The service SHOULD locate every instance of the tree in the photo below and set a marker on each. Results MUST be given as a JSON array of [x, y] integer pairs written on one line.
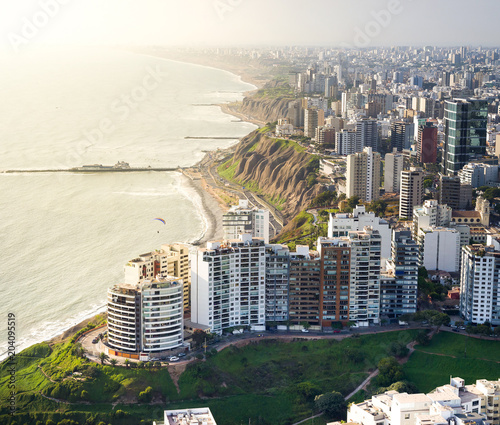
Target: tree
[[307, 391], [84, 395], [103, 357], [459, 323], [422, 338], [353, 201], [127, 363], [305, 325], [496, 331], [198, 337], [113, 362], [390, 371], [398, 350], [146, 396], [331, 404], [403, 387]]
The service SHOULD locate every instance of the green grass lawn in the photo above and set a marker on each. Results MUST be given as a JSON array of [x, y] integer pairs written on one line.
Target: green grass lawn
[[428, 371], [454, 344]]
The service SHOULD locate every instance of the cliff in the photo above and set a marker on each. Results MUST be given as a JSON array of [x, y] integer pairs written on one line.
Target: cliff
[[275, 168], [265, 109]]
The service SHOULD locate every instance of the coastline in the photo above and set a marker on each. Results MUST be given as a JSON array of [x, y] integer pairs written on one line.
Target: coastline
[[212, 206]]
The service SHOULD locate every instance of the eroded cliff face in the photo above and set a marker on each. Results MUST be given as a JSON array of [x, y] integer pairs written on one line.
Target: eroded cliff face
[[278, 169], [265, 109]]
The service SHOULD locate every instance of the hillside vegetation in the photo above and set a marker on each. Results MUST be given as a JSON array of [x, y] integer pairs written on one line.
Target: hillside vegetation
[[270, 382]]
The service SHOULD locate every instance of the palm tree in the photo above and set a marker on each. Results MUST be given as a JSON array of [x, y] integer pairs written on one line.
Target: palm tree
[[103, 357], [127, 363], [113, 362]]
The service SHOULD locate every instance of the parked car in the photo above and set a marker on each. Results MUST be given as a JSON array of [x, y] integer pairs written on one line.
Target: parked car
[[95, 340], [305, 330], [181, 355], [336, 331], [173, 358]]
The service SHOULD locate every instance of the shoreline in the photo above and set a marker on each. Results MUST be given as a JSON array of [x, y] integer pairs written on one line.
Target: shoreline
[[212, 206]]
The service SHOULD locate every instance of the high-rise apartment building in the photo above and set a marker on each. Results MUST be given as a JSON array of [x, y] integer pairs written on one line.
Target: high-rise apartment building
[[465, 133], [477, 174], [335, 273], [367, 133], [431, 213], [313, 118], [242, 219], [394, 163], [305, 271], [401, 135], [439, 248], [228, 284], [398, 286], [479, 284], [277, 283], [346, 142], [363, 175], [145, 317], [457, 195], [427, 144], [364, 289], [411, 191], [170, 260], [325, 135]]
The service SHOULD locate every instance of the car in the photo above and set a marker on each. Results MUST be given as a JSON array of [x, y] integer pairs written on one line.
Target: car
[[336, 331], [455, 330], [181, 355], [173, 358], [95, 340], [305, 330]]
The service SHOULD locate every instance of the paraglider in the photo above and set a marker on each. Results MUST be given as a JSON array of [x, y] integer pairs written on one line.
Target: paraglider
[[159, 219]]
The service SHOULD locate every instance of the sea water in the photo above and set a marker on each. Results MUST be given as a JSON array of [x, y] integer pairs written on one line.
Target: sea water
[[65, 237]]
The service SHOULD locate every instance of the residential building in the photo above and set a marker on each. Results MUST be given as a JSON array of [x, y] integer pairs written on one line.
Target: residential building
[[478, 174], [431, 213], [242, 219], [465, 133], [313, 118], [341, 224], [439, 248], [364, 290], [170, 260], [277, 283], [398, 286], [367, 133], [197, 416], [456, 195], [363, 175], [228, 284], [305, 271], [394, 163], [401, 135], [479, 284], [335, 257], [411, 192], [325, 136], [346, 142], [454, 403], [145, 317], [427, 144]]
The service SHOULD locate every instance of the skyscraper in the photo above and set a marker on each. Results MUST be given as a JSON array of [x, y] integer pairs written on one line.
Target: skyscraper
[[465, 133], [367, 133], [363, 175], [394, 163], [412, 191], [427, 144], [313, 118], [401, 135]]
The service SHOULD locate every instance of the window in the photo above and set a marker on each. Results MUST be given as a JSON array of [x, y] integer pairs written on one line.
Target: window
[[407, 416]]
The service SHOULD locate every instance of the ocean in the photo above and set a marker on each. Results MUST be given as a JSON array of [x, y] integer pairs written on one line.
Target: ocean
[[65, 237]]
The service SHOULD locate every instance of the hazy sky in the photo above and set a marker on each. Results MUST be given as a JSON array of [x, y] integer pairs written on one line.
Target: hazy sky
[[250, 22]]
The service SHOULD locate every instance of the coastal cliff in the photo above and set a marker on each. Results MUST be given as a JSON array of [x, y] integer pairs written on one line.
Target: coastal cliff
[[265, 109], [278, 169]]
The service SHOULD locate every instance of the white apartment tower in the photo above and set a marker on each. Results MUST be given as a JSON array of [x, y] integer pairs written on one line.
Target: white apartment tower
[[412, 191], [479, 284], [146, 317], [363, 175], [431, 213], [393, 166], [439, 248], [241, 219], [364, 289], [228, 284]]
